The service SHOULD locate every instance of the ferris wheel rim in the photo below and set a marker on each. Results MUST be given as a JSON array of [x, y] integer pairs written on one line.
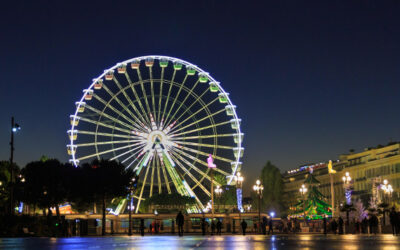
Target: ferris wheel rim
[[187, 64]]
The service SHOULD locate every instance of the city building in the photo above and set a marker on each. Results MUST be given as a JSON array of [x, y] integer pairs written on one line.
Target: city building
[[367, 169]]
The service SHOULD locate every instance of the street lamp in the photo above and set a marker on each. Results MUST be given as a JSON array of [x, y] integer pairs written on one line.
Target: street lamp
[[387, 193], [258, 188], [347, 187], [14, 129], [303, 190], [218, 193], [132, 183], [239, 182]]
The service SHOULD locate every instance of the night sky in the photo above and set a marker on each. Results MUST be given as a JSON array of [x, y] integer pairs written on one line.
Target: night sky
[[311, 79]]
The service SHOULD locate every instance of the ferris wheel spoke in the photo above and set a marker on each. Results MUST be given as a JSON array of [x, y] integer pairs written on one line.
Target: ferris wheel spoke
[[197, 121], [105, 152], [205, 175], [144, 116], [175, 99], [102, 114], [142, 189], [201, 128], [190, 175], [159, 176], [169, 93], [153, 101], [160, 96], [204, 145], [184, 100], [152, 177], [104, 143], [115, 110], [104, 124], [144, 92], [130, 102], [165, 177], [127, 152], [198, 98], [138, 150], [205, 154], [85, 132], [201, 137], [204, 107], [202, 163], [115, 97]]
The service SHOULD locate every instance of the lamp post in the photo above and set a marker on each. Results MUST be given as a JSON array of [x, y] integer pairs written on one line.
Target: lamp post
[[131, 187], [211, 166], [239, 182], [218, 193], [258, 188], [14, 128], [303, 191], [387, 193], [347, 187]]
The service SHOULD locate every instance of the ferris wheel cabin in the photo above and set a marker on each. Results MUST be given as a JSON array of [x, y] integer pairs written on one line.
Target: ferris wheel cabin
[[149, 62], [74, 120], [190, 71], [135, 64], [109, 75], [88, 94], [121, 68], [177, 65], [80, 106], [214, 86], [98, 84]]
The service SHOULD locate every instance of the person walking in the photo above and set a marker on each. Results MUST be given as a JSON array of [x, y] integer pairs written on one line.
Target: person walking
[[289, 226], [244, 226], [270, 227], [219, 227], [340, 225], [179, 221], [212, 227], [393, 221], [334, 226], [141, 227], [324, 225], [203, 226], [264, 225]]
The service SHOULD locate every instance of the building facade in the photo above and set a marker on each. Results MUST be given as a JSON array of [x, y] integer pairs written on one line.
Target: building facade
[[367, 169]]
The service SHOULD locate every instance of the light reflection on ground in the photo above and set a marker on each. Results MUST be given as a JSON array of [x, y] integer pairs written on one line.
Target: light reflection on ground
[[302, 241]]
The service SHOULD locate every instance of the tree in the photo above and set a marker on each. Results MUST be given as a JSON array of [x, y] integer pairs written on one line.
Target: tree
[[271, 179], [314, 206], [108, 179], [45, 184]]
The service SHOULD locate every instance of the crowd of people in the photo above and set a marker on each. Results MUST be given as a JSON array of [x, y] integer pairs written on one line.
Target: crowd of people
[[369, 224]]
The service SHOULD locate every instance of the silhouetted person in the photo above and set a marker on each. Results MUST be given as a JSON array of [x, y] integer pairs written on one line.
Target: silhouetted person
[[179, 221], [289, 226], [324, 225], [364, 225], [212, 227], [334, 226], [374, 224], [340, 225], [203, 226], [264, 225], [219, 227], [244, 226], [270, 227], [393, 221], [141, 227]]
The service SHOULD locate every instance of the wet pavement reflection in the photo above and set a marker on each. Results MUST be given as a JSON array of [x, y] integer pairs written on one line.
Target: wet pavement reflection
[[343, 242]]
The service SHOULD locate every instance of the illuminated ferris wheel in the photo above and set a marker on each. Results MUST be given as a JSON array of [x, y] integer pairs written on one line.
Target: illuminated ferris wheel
[[162, 117]]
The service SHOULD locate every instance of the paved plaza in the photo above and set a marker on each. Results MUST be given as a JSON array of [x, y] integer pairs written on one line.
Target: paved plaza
[[208, 242]]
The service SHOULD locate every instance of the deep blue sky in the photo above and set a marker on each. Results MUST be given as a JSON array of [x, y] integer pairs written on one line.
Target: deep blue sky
[[311, 79]]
